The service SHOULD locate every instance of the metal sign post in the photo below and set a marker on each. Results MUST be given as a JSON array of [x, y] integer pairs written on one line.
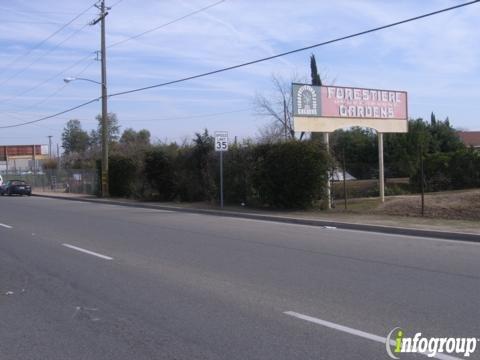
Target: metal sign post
[[221, 179], [221, 145]]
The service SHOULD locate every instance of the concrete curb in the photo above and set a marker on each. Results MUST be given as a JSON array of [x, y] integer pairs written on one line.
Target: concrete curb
[[285, 219]]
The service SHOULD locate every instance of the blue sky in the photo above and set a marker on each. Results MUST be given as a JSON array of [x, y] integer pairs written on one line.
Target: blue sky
[[436, 60]]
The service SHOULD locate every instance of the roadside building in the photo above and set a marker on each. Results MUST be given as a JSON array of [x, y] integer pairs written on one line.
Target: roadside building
[[470, 138], [22, 158]]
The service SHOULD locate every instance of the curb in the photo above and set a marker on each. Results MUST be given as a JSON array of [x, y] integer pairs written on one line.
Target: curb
[[470, 237]]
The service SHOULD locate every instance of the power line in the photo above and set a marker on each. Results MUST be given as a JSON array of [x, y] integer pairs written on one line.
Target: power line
[[166, 24], [254, 61], [115, 44], [53, 115], [118, 2], [36, 104], [37, 11], [186, 117], [43, 55], [47, 80], [295, 51], [198, 116], [30, 22], [46, 39]]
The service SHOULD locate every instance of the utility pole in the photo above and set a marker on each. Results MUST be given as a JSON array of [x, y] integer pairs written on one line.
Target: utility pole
[[34, 161], [101, 19], [49, 146], [285, 117]]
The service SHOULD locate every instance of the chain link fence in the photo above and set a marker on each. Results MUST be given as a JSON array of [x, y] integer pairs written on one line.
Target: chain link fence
[[61, 180]]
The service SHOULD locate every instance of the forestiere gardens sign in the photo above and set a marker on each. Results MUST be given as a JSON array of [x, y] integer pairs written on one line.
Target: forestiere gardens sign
[[327, 108]]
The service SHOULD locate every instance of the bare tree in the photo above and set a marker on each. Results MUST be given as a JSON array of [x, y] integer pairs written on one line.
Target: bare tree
[[270, 133], [277, 106]]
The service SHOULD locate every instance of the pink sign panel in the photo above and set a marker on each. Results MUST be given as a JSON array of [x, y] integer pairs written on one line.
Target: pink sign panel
[[349, 102]]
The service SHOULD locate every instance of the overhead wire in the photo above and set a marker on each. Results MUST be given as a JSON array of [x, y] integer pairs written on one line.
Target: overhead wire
[[23, 69], [255, 61], [195, 116], [294, 51], [165, 24], [115, 44], [46, 39], [51, 94], [44, 54], [53, 115], [118, 2], [48, 79]]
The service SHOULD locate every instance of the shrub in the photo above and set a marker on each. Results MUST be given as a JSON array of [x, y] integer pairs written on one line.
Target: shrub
[[121, 175], [237, 174], [291, 174], [159, 172], [465, 169], [449, 171], [195, 168], [49, 164]]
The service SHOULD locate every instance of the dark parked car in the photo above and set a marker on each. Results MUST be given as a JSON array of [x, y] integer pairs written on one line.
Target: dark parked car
[[12, 187]]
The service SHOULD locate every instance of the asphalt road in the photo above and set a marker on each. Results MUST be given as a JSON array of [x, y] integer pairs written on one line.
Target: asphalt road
[[93, 281]]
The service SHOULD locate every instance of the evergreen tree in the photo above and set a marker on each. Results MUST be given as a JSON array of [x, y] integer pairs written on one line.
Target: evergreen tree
[[314, 72], [74, 138], [113, 130]]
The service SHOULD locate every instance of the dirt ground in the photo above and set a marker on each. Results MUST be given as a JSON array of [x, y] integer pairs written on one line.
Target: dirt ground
[[453, 205]]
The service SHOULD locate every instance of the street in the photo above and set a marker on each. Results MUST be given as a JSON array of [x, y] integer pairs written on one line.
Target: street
[[93, 281]]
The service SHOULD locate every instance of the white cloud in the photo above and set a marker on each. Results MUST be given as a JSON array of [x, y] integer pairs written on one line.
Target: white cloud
[[435, 59]]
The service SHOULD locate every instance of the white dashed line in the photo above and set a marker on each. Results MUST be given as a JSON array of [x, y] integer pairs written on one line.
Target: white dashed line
[[88, 252], [356, 332], [5, 226]]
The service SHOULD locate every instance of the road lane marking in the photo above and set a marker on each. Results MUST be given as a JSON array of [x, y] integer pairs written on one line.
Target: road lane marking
[[278, 222], [88, 252], [356, 332], [5, 226]]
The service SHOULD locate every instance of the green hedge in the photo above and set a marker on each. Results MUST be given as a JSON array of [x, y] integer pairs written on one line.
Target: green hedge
[[449, 171], [291, 174], [283, 175], [160, 173], [121, 175]]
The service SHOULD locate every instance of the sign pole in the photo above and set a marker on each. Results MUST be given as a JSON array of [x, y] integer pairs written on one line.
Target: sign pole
[[326, 141], [344, 178], [221, 145], [221, 179], [381, 177], [422, 178]]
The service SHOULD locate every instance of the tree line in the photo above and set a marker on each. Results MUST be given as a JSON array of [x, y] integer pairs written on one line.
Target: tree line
[[281, 168]]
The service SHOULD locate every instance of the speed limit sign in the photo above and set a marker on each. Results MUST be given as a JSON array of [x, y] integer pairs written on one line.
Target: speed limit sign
[[221, 145], [221, 141]]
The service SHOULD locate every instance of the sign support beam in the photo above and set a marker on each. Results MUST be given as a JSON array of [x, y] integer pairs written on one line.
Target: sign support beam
[[381, 176], [326, 141]]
